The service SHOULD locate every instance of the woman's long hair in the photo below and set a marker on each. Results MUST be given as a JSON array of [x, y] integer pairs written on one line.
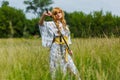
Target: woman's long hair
[[62, 20]]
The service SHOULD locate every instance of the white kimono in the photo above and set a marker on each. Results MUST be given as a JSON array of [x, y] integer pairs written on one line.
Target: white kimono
[[48, 31]]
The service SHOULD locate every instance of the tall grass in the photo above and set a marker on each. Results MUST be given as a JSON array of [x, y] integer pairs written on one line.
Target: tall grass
[[26, 59]]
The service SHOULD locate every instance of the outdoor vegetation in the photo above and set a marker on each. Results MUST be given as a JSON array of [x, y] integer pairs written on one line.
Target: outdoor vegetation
[[26, 59], [13, 22], [95, 43]]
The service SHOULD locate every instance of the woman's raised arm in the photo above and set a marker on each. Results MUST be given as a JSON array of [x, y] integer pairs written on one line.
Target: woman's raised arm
[[43, 17]]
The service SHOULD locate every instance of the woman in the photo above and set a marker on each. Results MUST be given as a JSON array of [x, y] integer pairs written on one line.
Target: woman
[[51, 37]]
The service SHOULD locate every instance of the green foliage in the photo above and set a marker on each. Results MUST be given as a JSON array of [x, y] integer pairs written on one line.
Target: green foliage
[[95, 24], [31, 28], [5, 3], [26, 59], [37, 6], [12, 22]]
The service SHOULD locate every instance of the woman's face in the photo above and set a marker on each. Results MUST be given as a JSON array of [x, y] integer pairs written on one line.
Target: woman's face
[[58, 15]]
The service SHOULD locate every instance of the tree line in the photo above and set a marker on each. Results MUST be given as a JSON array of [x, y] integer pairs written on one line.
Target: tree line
[[13, 22], [96, 24]]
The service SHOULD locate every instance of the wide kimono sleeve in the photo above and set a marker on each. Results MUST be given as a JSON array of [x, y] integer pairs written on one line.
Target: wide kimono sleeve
[[69, 40], [69, 36], [46, 34]]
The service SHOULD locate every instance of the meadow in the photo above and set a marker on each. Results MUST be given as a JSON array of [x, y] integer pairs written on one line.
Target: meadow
[[26, 59]]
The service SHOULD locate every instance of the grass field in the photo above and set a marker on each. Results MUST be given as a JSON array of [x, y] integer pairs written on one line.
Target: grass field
[[26, 59]]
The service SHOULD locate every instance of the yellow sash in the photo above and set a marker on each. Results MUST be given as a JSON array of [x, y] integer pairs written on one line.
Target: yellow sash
[[57, 40]]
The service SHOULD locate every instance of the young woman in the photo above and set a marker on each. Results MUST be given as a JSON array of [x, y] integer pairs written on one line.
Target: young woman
[[51, 37]]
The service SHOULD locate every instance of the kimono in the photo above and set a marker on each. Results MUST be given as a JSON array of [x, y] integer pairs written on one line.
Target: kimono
[[48, 32]]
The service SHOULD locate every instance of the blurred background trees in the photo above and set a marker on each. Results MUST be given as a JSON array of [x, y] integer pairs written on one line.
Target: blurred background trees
[[37, 6], [13, 22]]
